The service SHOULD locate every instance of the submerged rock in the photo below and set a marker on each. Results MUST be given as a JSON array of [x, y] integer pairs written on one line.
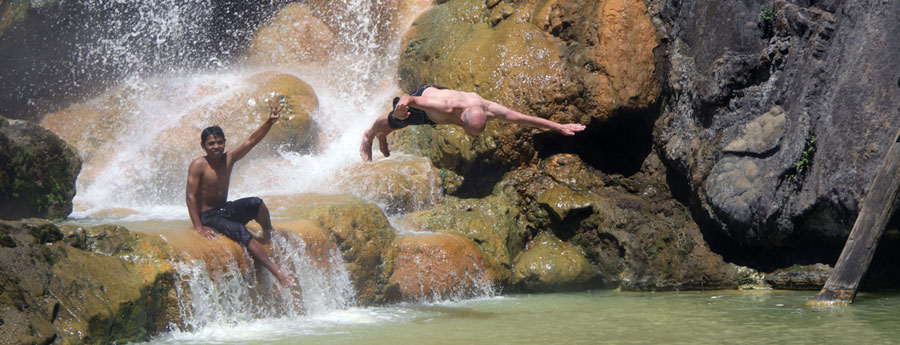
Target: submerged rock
[[37, 172], [800, 277]]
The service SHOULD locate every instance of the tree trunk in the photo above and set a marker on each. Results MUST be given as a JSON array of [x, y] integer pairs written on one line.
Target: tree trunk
[[877, 209]]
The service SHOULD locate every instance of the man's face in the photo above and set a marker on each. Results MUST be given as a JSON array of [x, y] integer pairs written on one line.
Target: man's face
[[214, 146]]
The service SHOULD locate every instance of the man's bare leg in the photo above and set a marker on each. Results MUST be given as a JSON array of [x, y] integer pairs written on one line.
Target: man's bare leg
[[259, 254], [380, 129], [265, 221]]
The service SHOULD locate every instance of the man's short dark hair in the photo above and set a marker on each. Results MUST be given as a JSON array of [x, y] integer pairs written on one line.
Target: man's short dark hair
[[212, 130]]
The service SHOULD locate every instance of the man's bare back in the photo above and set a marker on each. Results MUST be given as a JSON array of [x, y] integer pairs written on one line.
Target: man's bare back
[[443, 106]]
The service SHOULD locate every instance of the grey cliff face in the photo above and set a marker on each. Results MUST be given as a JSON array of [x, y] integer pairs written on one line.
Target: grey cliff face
[[777, 117]]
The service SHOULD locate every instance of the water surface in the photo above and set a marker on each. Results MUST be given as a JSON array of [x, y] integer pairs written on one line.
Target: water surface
[[594, 317]]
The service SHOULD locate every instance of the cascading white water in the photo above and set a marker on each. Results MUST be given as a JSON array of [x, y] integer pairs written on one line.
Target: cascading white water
[[229, 296], [142, 176]]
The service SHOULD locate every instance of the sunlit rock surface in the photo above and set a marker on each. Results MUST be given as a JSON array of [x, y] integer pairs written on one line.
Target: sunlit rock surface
[[493, 223], [547, 59], [37, 172], [549, 264], [437, 267], [117, 287], [359, 229]]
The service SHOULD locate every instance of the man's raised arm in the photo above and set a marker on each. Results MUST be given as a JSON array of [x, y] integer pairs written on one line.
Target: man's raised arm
[[257, 136]]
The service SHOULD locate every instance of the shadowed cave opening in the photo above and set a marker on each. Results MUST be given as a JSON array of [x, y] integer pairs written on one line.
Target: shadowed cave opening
[[615, 146]]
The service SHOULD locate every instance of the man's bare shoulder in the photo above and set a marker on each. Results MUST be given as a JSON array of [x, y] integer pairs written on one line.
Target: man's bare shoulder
[[198, 163]]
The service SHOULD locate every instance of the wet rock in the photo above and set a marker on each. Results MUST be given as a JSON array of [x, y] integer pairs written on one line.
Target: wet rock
[[54, 292], [294, 36], [493, 223], [400, 184], [800, 277], [37, 172], [549, 264], [545, 59], [439, 266], [630, 229], [360, 230]]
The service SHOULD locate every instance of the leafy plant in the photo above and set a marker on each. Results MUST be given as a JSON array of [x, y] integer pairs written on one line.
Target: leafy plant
[[802, 164], [767, 15]]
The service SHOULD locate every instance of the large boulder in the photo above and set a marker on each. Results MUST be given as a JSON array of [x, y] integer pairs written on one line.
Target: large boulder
[[437, 267], [633, 233], [360, 230], [775, 127], [549, 264], [494, 223], [294, 36], [37, 172]]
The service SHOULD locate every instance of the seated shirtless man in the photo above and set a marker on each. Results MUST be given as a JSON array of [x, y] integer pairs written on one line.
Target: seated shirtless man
[[432, 104], [207, 192]]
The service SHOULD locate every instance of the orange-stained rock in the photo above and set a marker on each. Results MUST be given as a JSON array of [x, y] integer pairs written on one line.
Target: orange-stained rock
[[439, 266], [359, 229]]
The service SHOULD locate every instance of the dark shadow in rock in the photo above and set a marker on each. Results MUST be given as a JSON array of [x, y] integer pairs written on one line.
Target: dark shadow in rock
[[616, 146]]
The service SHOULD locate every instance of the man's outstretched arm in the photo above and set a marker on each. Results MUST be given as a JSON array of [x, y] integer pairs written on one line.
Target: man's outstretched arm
[[257, 136], [192, 198], [534, 121]]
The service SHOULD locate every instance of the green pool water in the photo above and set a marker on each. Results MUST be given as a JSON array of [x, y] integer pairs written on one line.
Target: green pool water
[[597, 317]]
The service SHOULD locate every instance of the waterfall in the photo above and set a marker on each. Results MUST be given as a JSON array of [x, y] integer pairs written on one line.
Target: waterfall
[[143, 175], [228, 296]]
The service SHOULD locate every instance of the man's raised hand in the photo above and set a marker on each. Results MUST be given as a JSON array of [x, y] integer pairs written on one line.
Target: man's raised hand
[[276, 105]]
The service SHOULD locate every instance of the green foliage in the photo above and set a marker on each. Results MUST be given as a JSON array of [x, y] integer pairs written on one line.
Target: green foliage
[[767, 15], [802, 165]]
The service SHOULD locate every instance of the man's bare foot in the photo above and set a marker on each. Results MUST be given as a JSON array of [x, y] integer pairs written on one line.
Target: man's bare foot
[[383, 145], [365, 148]]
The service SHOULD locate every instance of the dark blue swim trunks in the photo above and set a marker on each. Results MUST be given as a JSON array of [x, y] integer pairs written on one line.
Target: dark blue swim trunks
[[231, 219], [416, 116]]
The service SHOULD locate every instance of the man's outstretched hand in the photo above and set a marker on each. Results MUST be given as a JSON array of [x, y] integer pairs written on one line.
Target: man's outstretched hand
[[570, 128]]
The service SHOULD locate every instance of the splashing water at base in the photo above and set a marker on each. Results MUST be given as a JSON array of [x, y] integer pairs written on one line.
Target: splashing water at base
[[225, 297]]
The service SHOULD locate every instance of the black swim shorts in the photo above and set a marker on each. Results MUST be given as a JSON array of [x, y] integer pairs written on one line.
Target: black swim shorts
[[231, 220], [416, 116]]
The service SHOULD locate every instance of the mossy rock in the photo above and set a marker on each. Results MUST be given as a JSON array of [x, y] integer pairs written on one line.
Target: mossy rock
[[37, 172], [550, 264]]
